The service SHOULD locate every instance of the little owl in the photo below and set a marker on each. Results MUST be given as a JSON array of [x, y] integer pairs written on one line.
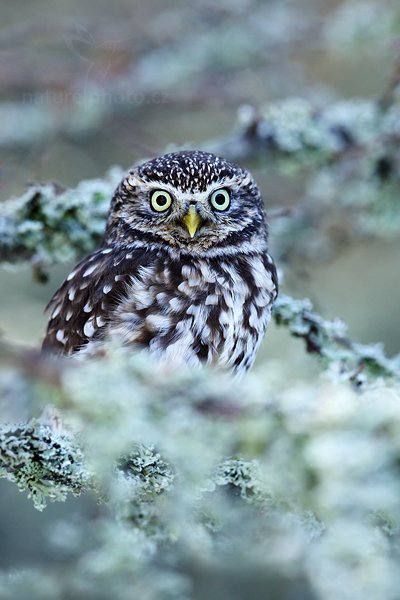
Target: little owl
[[184, 269]]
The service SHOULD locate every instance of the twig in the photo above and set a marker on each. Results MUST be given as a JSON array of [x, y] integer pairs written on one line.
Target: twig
[[352, 361]]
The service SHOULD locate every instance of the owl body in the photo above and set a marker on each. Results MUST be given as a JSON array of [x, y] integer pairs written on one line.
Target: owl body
[[192, 285]]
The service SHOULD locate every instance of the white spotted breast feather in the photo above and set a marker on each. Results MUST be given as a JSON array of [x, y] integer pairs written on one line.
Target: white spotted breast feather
[[185, 310]]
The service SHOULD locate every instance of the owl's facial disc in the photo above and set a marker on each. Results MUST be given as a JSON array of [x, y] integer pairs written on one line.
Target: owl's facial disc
[[190, 200], [192, 219]]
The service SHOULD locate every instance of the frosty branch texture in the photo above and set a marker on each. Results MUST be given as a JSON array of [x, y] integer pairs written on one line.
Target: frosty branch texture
[[208, 482], [45, 463], [296, 129], [327, 339], [49, 224]]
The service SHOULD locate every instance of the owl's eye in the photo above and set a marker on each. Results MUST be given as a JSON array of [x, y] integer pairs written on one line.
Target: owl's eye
[[220, 199], [160, 200]]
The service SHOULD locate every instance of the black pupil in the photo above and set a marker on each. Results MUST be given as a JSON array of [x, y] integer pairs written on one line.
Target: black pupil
[[220, 199], [162, 200]]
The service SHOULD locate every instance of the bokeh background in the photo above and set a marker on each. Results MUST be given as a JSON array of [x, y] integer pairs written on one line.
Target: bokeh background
[[87, 84]]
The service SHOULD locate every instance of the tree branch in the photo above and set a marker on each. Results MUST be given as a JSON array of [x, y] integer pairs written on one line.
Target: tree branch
[[46, 463], [354, 362]]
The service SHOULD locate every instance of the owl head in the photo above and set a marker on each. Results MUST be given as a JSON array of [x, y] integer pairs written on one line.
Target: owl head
[[191, 200]]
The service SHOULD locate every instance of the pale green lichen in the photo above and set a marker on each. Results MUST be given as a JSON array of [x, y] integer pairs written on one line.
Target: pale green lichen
[[254, 477], [146, 470], [47, 224], [296, 130], [240, 474], [47, 464]]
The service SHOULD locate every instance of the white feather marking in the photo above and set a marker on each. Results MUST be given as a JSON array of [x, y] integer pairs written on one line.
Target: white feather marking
[[158, 322], [178, 352], [71, 275], [183, 325], [147, 272], [56, 311], [207, 275], [88, 328], [193, 309], [60, 336], [161, 297], [193, 276], [143, 298], [262, 277], [186, 271], [100, 321], [184, 288], [175, 304], [263, 298], [254, 321], [90, 270], [228, 297], [206, 333], [69, 314], [194, 282], [107, 288], [106, 251], [212, 299], [71, 294]]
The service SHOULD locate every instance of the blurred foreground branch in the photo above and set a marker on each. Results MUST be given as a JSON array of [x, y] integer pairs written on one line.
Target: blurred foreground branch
[[205, 483], [43, 461]]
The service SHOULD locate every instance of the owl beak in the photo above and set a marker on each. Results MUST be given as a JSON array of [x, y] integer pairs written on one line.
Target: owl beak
[[192, 220]]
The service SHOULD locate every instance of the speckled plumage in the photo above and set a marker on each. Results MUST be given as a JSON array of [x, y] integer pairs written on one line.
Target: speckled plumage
[[186, 297]]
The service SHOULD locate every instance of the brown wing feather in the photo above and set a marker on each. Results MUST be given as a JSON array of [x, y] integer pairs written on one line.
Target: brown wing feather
[[81, 308]]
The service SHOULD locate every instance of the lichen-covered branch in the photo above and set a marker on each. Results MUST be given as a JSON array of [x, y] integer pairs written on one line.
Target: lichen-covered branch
[[300, 133], [328, 339], [46, 463], [205, 478], [48, 224]]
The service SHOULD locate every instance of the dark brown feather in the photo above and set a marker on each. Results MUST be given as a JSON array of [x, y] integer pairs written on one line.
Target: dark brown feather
[[90, 298]]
